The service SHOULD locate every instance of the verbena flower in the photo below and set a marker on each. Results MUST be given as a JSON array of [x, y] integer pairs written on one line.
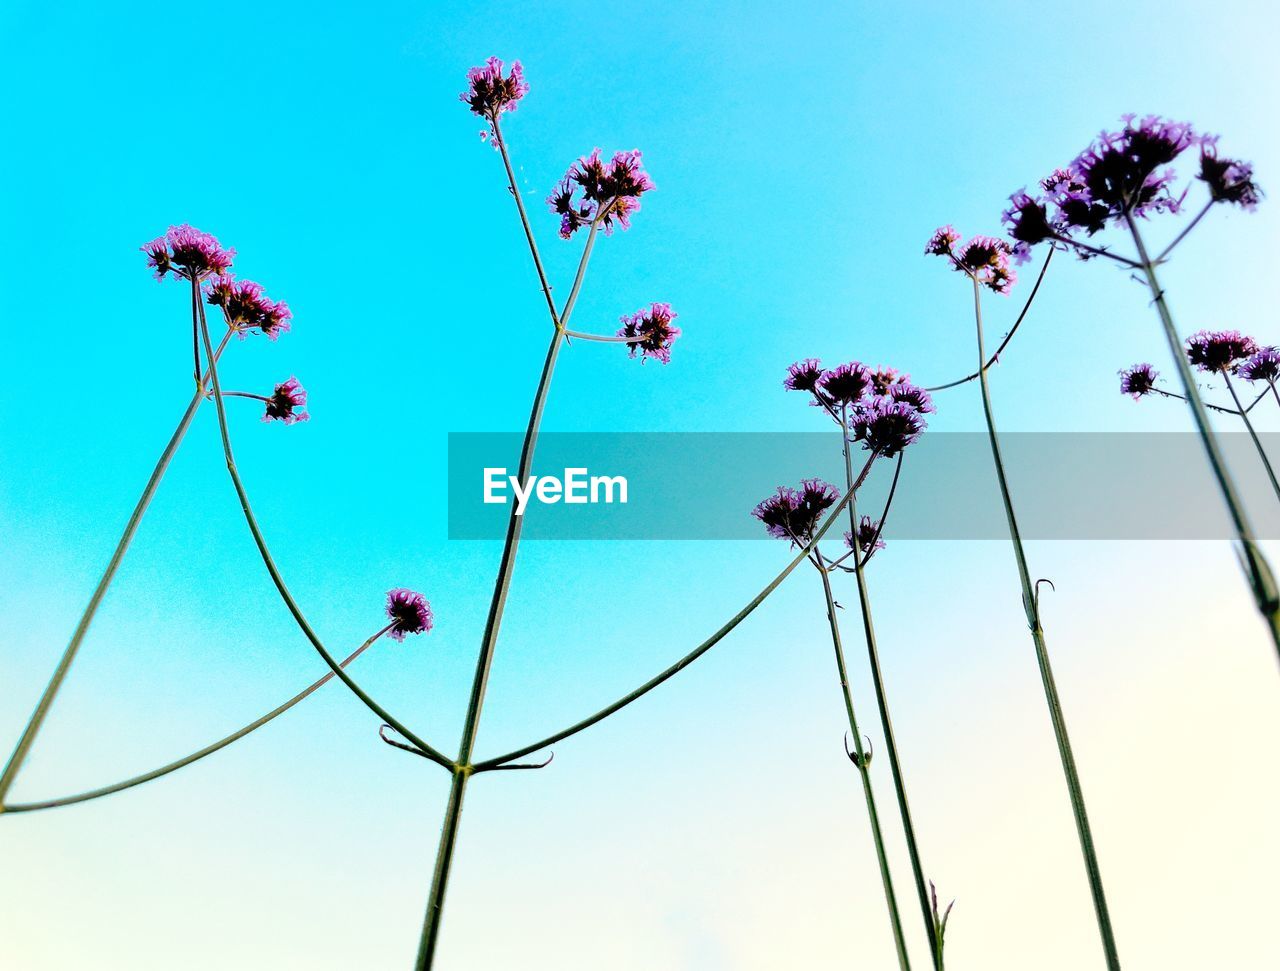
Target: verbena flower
[[794, 514], [1219, 351], [846, 384], [187, 252], [409, 613], [910, 394], [594, 189], [942, 242], [886, 426], [868, 538], [1229, 180], [1264, 365], [659, 334], [1138, 380], [245, 307], [489, 93], [883, 378], [1027, 220], [984, 258], [282, 405], [803, 375]]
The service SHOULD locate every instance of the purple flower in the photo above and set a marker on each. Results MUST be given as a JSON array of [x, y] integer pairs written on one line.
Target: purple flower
[[886, 426], [1119, 171], [910, 394], [846, 384], [655, 329], [868, 536], [245, 307], [883, 378], [594, 190], [942, 242], [1027, 219], [1264, 365], [1228, 180], [1138, 380], [1219, 351], [287, 397], [793, 514], [984, 258], [803, 375], [489, 93], [409, 613], [187, 252]]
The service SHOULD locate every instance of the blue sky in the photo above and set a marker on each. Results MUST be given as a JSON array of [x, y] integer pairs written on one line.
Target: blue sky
[[803, 155]]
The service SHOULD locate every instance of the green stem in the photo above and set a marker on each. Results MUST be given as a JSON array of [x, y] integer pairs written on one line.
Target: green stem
[[14, 765], [137, 780], [1031, 605], [1257, 442], [1261, 580], [864, 771], [882, 703]]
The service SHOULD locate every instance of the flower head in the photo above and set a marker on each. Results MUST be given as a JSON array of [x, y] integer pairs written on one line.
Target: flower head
[[654, 328], [187, 252], [282, 405], [868, 536], [1219, 351], [489, 93], [1027, 221], [883, 378], [1120, 171], [1264, 365], [1138, 380], [846, 384], [594, 190], [803, 375], [942, 242], [886, 426], [245, 307], [1228, 180], [984, 258], [910, 394], [409, 613], [793, 514]]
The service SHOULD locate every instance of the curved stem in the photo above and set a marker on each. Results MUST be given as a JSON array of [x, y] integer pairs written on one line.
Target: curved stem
[[292, 605], [689, 658], [1257, 442], [1171, 394], [1030, 603], [32, 729], [196, 756], [1183, 235], [1261, 580], [600, 338], [863, 764], [884, 517], [1012, 330], [524, 219]]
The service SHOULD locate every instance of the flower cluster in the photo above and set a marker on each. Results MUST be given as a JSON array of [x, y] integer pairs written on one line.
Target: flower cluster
[[595, 190], [409, 613], [886, 426], [282, 405], [187, 252], [793, 514], [1264, 365], [489, 93], [984, 258], [651, 332], [1229, 180], [882, 407], [1138, 380], [868, 536], [245, 307], [1219, 351]]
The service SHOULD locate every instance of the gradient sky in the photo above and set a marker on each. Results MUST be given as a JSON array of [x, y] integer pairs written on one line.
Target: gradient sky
[[803, 155]]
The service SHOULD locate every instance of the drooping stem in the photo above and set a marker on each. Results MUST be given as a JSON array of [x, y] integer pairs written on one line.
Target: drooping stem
[[882, 703], [1031, 605], [273, 571], [137, 780], [1261, 580], [1257, 442], [32, 729], [864, 770]]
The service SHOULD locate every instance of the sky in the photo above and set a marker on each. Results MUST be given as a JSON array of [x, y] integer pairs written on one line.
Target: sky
[[803, 154]]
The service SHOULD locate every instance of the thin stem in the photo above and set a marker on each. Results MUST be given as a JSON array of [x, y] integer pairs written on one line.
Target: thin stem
[[1031, 605], [195, 335], [689, 658], [1261, 580], [137, 780], [292, 605], [1096, 251], [884, 517], [524, 219], [882, 703], [1257, 442], [245, 394], [1183, 235], [32, 729], [1012, 330], [864, 771], [579, 335], [1171, 394]]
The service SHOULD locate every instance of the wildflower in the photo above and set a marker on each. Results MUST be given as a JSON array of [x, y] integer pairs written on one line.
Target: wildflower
[[1264, 365], [793, 514], [803, 375], [886, 426], [1219, 351], [1228, 180], [1138, 380], [594, 190], [409, 613], [846, 384], [942, 242], [986, 259], [489, 93], [186, 251], [287, 397], [1027, 219], [910, 394], [654, 328], [868, 536], [1118, 172], [245, 307], [883, 378]]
